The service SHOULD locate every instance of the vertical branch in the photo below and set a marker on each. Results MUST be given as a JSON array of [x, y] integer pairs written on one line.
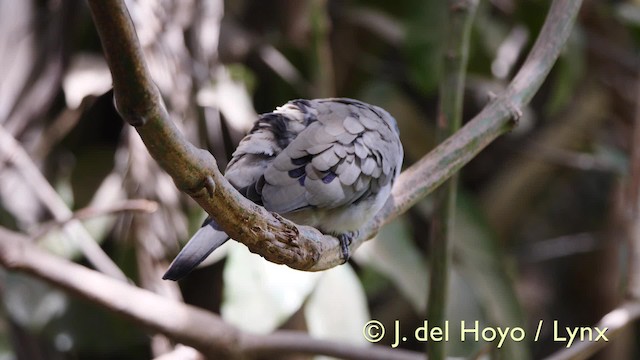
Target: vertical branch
[[460, 14], [633, 227], [323, 60]]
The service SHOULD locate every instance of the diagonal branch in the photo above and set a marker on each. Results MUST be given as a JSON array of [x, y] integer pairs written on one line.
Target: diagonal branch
[[11, 149], [194, 170], [497, 118], [187, 324], [276, 239]]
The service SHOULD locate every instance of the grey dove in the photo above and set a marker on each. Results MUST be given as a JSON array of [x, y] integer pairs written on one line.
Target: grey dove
[[326, 163]]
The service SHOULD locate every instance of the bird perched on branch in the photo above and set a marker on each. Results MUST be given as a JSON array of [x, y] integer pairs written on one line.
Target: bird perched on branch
[[326, 163]]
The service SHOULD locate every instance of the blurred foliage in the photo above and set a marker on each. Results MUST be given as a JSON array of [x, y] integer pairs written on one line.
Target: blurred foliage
[[538, 235]]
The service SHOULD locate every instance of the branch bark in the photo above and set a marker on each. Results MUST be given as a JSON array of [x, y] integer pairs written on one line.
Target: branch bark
[[276, 239], [497, 118], [194, 171]]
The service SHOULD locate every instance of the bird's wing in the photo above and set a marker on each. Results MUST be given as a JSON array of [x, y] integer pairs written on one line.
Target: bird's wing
[[345, 154]]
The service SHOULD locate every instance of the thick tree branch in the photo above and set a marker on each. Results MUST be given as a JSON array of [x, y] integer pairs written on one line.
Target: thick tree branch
[[276, 239], [186, 324], [194, 170]]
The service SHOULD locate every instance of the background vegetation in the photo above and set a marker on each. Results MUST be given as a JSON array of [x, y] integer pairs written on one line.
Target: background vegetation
[[543, 218]]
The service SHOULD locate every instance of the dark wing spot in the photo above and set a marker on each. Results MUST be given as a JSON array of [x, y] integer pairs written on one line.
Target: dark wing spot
[[297, 172], [253, 192], [329, 177], [302, 160]]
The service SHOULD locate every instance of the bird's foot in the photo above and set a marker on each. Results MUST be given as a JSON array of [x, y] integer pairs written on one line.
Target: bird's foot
[[345, 242]]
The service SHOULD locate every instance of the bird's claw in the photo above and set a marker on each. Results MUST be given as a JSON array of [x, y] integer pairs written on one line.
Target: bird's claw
[[345, 241]]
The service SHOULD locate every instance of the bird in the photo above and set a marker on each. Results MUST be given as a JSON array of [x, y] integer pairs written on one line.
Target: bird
[[327, 163]]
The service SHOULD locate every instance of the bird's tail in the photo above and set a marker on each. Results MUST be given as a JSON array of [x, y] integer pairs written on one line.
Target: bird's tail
[[204, 241]]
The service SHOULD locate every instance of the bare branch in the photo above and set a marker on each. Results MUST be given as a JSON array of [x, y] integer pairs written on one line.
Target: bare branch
[[12, 150], [614, 322], [140, 205], [456, 54], [276, 239], [186, 324], [194, 170], [497, 118]]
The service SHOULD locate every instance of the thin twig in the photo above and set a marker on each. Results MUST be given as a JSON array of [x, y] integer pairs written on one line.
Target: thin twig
[[456, 55], [276, 239], [138, 205], [280, 65], [507, 199], [11, 150], [187, 324], [614, 322]]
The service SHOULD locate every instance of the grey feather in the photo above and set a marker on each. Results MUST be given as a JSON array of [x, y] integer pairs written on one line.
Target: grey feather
[[203, 242], [328, 163]]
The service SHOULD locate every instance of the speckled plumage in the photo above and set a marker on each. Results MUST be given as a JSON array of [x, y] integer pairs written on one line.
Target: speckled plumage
[[327, 163]]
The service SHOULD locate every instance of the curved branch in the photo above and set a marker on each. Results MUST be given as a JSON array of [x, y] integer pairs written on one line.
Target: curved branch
[[497, 118], [186, 324], [194, 170], [269, 235]]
